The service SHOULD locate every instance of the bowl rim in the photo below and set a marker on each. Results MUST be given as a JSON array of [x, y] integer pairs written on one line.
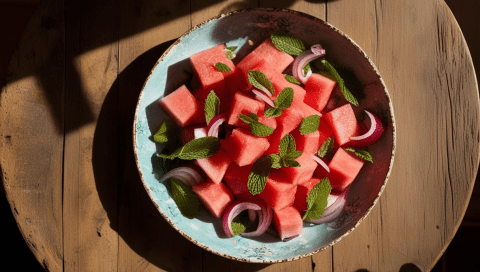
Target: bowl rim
[[359, 49]]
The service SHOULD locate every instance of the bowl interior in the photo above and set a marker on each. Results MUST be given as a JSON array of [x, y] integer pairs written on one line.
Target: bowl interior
[[237, 28]]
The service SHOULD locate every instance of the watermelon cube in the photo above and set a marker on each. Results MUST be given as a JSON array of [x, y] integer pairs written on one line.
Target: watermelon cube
[[215, 166], [203, 64], [247, 64], [344, 168], [277, 59], [320, 171], [242, 104], [279, 83], [307, 143], [302, 193], [236, 178], [299, 175], [293, 116], [225, 95], [343, 123], [244, 147], [325, 132], [215, 197], [288, 222], [182, 107], [278, 193], [318, 90]]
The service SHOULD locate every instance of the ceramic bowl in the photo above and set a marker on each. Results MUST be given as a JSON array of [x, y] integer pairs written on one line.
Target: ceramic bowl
[[240, 28]]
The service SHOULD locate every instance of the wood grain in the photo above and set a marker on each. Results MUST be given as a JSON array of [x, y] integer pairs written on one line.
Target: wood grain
[[31, 143]]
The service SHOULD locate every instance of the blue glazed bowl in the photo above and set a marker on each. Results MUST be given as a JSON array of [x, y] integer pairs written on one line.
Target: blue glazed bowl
[[241, 28]]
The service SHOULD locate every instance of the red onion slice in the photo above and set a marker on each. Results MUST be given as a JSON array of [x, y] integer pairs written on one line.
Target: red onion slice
[[186, 174], [265, 219], [332, 211], [315, 52], [214, 125], [321, 162], [232, 211], [371, 136], [252, 215], [262, 96]]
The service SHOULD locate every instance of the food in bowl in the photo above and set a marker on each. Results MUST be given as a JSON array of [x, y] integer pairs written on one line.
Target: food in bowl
[[266, 147]]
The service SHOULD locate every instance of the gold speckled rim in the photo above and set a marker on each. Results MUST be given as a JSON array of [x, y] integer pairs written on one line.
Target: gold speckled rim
[[390, 105]]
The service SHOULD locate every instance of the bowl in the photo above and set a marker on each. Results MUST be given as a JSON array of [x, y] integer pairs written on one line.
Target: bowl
[[241, 28]]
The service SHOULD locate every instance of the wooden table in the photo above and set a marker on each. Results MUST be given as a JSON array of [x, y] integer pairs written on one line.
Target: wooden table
[[66, 151]]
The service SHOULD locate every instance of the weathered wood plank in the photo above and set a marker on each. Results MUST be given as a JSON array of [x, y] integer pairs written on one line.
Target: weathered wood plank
[[90, 180], [31, 141], [433, 172], [147, 241]]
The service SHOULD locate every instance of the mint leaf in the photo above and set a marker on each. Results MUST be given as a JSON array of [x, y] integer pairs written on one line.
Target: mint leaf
[[293, 155], [167, 130], [258, 176], [230, 55], [212, 106], [254, 116], [326, 149], [306, 68], [287, 162], [186, 200], [196, 149], [287, 145], [245, 118], [231, 48], [287, 43], [276, 161], [240, 223], [346, 93], [221, 67], [260, 81], [317, 199], [284, 99], [260, 130], [272, 112], [293, 80], [309, 124], [363, 154]]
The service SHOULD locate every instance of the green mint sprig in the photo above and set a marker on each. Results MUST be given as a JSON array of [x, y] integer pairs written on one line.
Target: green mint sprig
[[195, 149], [317, 199], [287, 43], [229, 51], [186, 200], [257, 179], [309, 124], [282, 102], [257, 128], [167, 131], [292, 79], [212, 106], [260, 81], [363, 154], [222, 67], [343, 88], [287, 153], [326, 150]]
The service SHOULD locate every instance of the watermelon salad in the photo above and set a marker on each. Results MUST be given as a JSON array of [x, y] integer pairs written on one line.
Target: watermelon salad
[[257, 145]]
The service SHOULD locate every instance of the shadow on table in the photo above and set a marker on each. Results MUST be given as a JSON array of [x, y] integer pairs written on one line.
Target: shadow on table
[[129, 208]]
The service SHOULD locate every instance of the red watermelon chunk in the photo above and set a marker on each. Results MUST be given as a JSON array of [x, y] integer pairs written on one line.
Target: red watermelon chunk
[[279, 83], [318, 90], [288, 222], [307, 143], [344, 168], [247, 64], [203, 64], [215, 166], [215, 197], [243, 147], [278, 194], [225, 96], [293, 116], [236, 178], [241, 104], [343, 123], [325, 132], [277, 59], [182, 107], [302, 193], [299, 175]]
